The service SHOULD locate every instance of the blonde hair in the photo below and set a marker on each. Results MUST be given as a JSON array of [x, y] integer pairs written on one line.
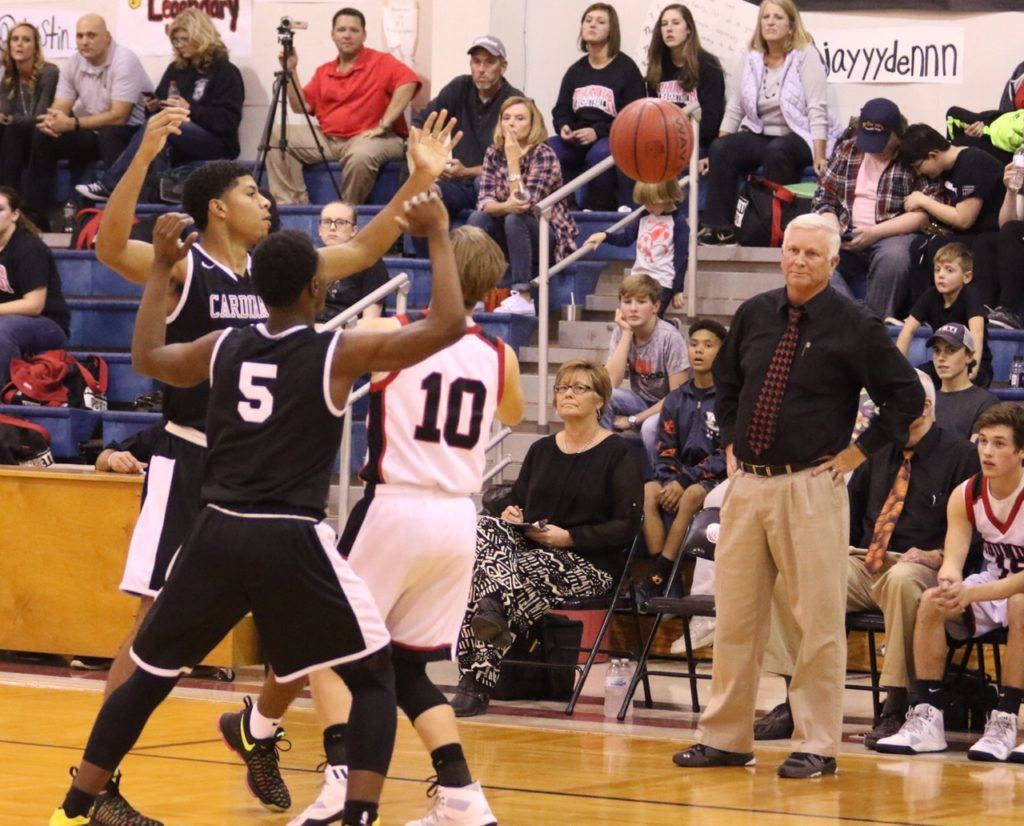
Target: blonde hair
[[640, 285], [597, 375], [797, 37], [538, 131], [11, 77], [955, 252], [660, 193], [480, 263], [203, 35]]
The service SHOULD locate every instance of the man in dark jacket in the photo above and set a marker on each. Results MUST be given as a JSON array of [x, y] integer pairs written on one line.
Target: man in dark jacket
[[475, 100], [688, 461]]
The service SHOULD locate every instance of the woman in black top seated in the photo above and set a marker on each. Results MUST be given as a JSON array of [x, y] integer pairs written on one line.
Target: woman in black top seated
[[586, 482], [200, 79]]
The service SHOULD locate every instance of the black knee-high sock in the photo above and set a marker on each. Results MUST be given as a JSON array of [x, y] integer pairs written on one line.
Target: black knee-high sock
[[334, 744], [1010, 699], [123, 716], [450, 765]]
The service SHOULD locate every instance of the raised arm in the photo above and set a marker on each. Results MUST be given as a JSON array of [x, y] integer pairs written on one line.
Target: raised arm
[[428, 150], [510, 407], [133, 259], [363, 351], [180, 365]]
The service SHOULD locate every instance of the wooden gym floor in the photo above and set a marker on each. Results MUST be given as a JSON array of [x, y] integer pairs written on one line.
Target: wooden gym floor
[[538, 766]]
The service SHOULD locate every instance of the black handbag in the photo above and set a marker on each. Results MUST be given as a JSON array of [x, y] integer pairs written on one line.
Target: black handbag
[[764, 210]]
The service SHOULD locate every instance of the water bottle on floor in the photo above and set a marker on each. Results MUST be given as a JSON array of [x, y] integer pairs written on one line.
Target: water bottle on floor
[[616, 682]]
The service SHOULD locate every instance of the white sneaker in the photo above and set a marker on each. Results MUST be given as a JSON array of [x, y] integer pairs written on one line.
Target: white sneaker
[[517, 304], [999, 738], [702, 634], [924, 731], [330, 805], [460, 806]]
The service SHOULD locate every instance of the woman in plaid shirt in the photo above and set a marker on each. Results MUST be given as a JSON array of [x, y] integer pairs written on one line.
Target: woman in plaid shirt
[[520, 170]]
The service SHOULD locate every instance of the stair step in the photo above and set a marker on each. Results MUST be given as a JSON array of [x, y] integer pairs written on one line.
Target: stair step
[[558, 354]]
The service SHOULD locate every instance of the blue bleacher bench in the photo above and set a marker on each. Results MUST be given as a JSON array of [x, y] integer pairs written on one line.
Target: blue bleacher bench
[[1005, 344], [118, 425]]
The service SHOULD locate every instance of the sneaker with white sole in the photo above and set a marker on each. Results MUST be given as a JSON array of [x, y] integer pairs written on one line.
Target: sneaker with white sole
[[702, 634], [517, 304], [94, 191], [924, 731], [458, 806], [999, 739], [330, 803]]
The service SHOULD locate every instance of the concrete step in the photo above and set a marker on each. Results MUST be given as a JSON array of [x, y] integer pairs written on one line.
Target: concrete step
[[557, 354], [587, 334]]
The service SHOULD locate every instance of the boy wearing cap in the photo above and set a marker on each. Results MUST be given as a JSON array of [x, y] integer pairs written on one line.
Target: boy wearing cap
[[474, 100], [951, 300], [958, 402], [864, 188]]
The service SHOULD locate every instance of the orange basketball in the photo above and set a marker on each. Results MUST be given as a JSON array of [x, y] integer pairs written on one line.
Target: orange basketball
[[651, 140]]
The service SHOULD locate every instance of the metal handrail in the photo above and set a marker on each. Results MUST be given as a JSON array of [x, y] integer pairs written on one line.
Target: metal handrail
[[543, 212], [399, 284], [498, 468]]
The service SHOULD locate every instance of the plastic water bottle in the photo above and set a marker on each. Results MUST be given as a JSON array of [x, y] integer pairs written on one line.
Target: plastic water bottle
[[68, 211], [172, 90], [1017, 371], [616, 683], [1017, 180]]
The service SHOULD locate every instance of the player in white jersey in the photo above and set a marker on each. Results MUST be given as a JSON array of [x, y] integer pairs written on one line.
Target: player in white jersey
[[972, 606], [413, 535]]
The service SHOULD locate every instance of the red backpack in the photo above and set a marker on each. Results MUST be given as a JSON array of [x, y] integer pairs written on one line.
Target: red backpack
[[55, 378], [24, 443]]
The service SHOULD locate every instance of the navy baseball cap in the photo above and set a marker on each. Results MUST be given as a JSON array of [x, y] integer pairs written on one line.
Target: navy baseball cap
[[879, 118], [955, 334]]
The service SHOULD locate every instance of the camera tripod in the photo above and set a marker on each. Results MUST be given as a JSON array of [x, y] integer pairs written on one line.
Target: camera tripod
[[283, 78]]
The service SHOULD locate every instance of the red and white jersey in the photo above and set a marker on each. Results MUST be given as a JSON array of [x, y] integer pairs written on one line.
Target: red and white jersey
[[1002, 533], [429, 424]]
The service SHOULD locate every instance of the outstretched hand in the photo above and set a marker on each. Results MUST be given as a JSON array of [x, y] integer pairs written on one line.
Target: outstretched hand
[[159, 128], [424, 213], [431, 146], [168, 248]]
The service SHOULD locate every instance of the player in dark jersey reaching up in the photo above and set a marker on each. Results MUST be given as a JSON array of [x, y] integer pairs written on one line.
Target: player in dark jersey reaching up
[[260, 543], [210, 289]]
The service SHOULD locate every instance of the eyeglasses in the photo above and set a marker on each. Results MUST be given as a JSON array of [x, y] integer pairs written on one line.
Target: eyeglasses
[[577, 389], [180, 40], [336, 223]]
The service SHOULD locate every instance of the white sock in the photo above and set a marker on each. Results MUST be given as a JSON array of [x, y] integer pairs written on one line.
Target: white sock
[[261, 727]]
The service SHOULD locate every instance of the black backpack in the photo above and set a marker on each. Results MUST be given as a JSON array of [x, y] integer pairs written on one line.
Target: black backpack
[[971, 696], [554, 640], [24, 443]]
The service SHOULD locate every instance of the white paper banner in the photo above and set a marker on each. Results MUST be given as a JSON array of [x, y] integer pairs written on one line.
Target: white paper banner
[[400, 20], [142, 24], [56, 27], [893, 54], [724, 26]]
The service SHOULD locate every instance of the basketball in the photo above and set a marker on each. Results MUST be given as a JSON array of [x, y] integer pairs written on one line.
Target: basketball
[[651, 140]]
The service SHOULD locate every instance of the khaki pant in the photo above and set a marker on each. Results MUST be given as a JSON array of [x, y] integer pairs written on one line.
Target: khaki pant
[[360, 160], [795, 527], [896, 589]]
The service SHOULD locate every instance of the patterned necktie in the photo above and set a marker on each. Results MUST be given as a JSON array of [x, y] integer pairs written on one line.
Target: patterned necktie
[[761, 432], [888, 516]]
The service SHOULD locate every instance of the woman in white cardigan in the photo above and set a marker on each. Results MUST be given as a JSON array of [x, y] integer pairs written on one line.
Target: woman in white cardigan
[[776, 116]]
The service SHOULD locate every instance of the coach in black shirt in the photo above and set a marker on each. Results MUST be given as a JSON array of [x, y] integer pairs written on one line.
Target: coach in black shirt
[[939, 460], [788, 378], [475, 100]]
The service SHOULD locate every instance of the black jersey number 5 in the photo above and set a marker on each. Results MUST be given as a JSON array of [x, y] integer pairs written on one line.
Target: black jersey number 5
[[429, 431], [259, 401]]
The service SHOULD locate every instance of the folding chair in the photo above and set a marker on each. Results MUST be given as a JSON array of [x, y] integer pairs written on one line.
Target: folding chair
[[620, 599], [871, 623], [995, 638]]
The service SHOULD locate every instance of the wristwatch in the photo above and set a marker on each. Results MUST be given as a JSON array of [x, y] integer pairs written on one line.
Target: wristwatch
[[633, 421]]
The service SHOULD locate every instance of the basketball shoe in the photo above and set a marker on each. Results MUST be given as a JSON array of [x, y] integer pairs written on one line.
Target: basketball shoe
[[922, 732], [109, 809], [459, 806], [58, 818], [999, 738], [330, 805], [262, 774]]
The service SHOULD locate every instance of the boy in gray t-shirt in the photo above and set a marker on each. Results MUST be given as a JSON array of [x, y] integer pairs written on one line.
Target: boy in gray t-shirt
[[651, 353]]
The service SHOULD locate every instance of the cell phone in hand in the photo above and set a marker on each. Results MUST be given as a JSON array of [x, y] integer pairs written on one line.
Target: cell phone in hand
[[540, 524], [847, 236]]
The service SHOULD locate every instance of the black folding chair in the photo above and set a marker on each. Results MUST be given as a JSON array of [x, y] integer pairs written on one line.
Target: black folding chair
[[871, 623]]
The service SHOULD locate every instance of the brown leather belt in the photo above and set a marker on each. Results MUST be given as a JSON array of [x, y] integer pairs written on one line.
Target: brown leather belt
[[778, 470]]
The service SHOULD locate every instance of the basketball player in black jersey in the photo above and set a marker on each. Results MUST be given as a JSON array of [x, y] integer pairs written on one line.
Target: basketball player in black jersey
[[211, 290], [259, 544]]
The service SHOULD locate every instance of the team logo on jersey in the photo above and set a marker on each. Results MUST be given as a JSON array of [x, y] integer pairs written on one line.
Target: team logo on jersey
[[594, 97], [230, 305], [5, 284], [710, 424], [712, 532], [674, 92]]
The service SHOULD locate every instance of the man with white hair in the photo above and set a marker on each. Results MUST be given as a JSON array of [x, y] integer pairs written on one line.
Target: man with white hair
[[788, 381], [897, 500]]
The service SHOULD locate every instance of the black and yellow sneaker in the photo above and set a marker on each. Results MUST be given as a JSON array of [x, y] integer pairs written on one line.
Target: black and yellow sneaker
[[111, 809], [261, 758]]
